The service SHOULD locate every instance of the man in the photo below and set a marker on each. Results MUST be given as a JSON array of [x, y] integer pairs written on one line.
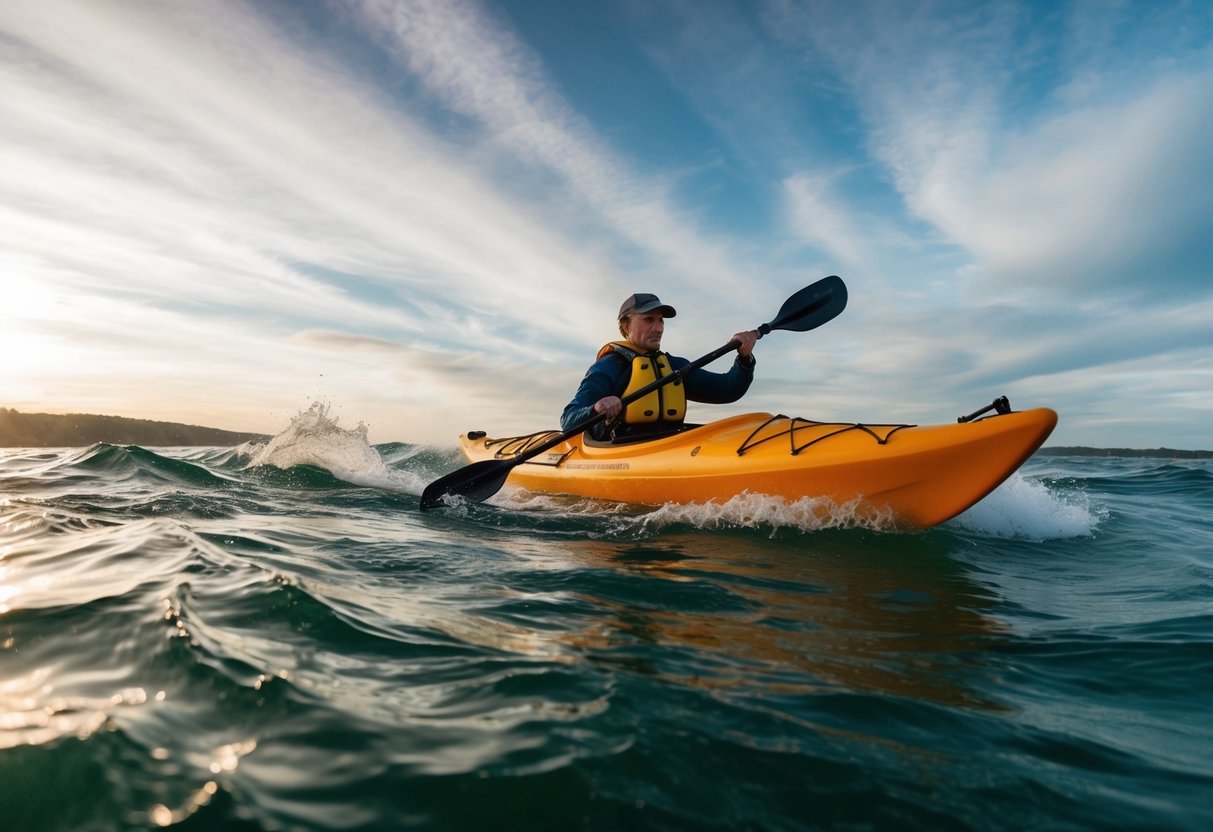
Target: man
[[624, 367]]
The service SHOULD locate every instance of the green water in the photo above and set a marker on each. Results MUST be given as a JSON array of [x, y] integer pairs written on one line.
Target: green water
[[189, 641]]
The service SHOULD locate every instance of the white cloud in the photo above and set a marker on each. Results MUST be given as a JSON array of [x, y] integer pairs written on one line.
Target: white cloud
[[818, 214], [1107, 194]]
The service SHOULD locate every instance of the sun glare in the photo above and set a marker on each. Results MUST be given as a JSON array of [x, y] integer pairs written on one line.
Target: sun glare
[[32, 347]]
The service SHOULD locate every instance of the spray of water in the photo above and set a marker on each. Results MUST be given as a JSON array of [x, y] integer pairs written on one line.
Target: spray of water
[[314, 438], [1026, 509]]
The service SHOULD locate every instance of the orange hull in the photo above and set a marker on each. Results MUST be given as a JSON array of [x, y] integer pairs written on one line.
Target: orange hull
[[908, 476]]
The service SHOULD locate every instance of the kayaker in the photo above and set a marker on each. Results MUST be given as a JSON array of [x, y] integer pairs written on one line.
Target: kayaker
[[625, 366]]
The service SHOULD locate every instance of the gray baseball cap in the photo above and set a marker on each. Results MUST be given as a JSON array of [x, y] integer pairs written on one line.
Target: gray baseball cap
[[644, 302]]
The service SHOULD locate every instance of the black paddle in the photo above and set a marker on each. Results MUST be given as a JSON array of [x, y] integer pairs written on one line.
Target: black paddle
[[808, 309]]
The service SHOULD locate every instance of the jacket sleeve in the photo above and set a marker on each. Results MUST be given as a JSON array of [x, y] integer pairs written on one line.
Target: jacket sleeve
[[604, 378], [718, 388]]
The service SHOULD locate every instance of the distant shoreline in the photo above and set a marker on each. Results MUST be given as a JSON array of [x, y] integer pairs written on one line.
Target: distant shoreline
[[1151, 453], [73, 430]]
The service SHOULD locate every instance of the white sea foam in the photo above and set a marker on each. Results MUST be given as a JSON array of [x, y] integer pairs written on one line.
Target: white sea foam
[[1020, 508], [759, 511], [744, 511], [1026, 509]]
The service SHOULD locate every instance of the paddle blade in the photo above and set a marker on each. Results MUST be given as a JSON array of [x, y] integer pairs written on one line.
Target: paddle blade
[[474, 483], [811, 307]]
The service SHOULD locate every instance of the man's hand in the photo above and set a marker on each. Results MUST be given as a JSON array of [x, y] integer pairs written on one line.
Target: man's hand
[[612, 406], [747, 339]]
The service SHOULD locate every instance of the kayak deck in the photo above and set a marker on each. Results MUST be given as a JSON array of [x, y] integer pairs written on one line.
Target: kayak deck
[[908, 475]]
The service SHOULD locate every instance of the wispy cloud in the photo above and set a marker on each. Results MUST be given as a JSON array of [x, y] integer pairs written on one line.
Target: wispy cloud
[[1105, 194], [470, 62], [1086, 175], [398, 206]]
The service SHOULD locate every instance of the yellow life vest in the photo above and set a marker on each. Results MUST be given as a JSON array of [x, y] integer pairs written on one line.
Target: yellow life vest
[[667, 403]]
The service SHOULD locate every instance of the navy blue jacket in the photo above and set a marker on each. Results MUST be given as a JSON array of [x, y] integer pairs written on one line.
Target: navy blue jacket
[[609, 376]]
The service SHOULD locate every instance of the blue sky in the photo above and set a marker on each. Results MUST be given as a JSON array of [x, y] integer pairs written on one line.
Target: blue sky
[[427, 213]]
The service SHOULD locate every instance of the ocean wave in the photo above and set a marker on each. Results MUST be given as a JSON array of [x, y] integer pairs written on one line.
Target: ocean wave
[[285, 648]]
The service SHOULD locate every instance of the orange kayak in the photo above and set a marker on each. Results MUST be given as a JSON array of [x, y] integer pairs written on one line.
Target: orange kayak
[[902, 476]]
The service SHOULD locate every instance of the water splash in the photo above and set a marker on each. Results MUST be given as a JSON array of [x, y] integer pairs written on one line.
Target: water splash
[[314, 438], [1025, 509]]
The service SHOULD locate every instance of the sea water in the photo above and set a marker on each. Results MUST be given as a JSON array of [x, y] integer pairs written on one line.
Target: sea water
[[273, 637]]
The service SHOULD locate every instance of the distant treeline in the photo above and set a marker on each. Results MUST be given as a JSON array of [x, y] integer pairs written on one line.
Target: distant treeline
[[1155, 453], [73, 430]]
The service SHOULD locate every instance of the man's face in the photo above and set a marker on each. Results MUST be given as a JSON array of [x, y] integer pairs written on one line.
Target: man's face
[[645, 330]]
